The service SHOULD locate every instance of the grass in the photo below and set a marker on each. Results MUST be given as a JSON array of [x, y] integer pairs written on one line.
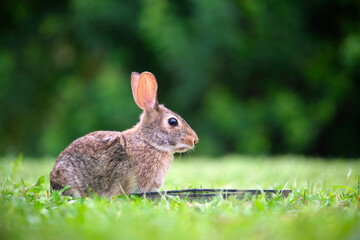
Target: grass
[[324, 203]]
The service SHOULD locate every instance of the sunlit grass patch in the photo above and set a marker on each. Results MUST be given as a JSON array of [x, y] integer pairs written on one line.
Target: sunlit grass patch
[[324, 203]]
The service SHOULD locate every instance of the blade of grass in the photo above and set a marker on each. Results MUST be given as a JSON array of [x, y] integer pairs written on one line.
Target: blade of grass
[[345, 187]]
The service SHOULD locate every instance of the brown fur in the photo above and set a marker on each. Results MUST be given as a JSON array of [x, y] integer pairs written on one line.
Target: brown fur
[[137, 160]]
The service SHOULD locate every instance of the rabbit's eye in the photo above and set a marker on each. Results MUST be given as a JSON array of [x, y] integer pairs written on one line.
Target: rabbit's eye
[[173, 122]]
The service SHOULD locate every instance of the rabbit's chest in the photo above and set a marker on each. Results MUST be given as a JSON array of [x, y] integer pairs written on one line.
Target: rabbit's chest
[[159, 179], [159, 176], [155, 176]]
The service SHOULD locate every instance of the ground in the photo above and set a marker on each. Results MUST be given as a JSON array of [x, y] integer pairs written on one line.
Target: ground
[[324, 203]]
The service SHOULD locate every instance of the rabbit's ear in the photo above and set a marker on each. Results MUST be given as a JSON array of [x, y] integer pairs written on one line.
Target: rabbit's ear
[[146, 91], [134, 83]]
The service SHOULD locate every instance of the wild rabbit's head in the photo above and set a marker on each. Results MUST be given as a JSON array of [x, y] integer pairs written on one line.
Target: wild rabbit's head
[[159, 126]]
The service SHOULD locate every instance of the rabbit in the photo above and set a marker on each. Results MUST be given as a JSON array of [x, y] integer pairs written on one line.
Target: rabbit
[[109, 163]]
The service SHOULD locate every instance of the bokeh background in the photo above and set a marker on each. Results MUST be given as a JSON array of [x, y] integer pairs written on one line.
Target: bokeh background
[[250, 76]]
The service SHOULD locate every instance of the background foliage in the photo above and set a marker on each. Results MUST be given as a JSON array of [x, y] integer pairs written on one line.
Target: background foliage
[[250, 76]]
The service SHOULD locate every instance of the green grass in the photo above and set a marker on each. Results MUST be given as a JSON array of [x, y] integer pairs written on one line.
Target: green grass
[[324, 203]]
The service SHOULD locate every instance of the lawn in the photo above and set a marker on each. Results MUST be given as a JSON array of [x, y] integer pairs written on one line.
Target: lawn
[[324, 203]]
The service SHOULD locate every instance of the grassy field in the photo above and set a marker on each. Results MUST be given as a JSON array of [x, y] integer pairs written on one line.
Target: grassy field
[[324, 203]]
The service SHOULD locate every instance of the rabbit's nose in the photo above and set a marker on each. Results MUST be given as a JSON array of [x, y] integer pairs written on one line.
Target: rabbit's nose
[[196, 139]]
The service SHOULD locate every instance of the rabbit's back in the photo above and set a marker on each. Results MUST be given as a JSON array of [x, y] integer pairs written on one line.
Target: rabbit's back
[[95, 163]]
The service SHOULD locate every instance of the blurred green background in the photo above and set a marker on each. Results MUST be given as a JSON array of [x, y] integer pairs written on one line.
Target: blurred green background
[[250, 76]]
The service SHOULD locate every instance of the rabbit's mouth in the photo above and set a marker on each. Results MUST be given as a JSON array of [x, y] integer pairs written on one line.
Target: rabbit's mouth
[[183, 148], [187, 143]]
